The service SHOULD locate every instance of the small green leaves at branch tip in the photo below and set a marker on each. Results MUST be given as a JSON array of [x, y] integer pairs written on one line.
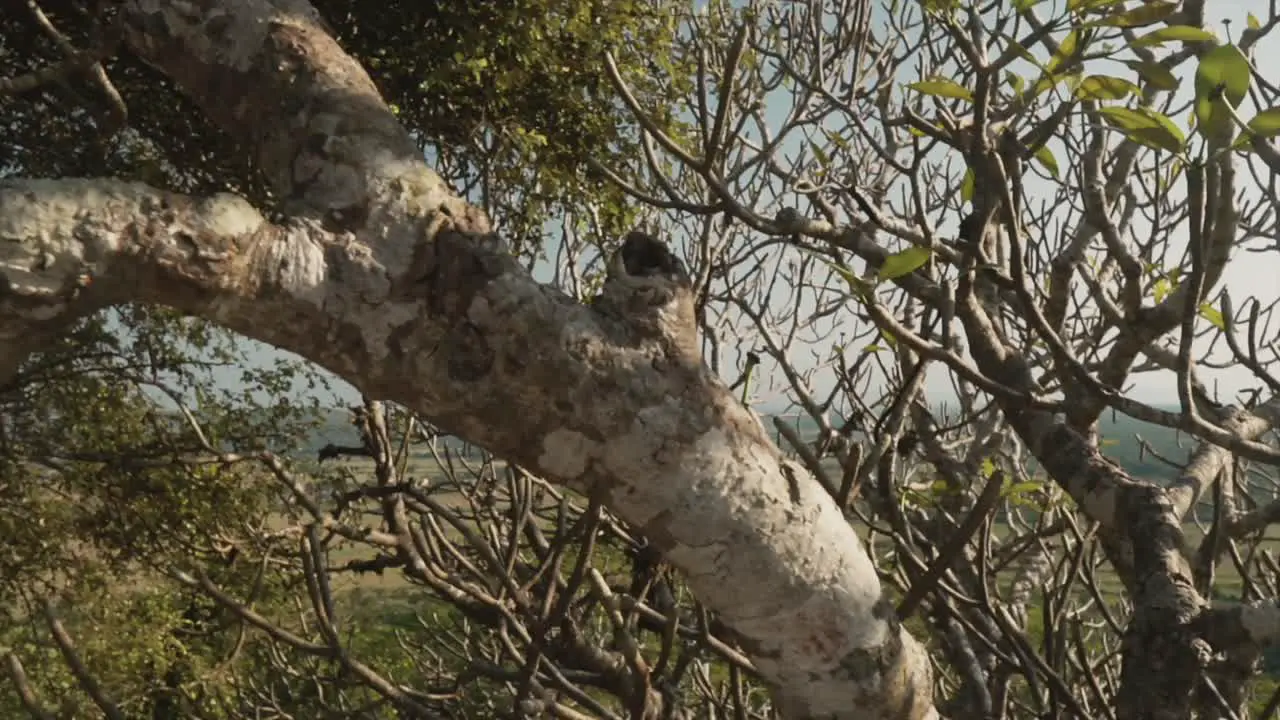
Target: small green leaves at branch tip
[[820, 155], [1212, 314], [939, 7], [988, 467], [1045, 157], [1221, 84], [1175, 171], [857, 286], [1147, 13], [1154, 74], [942, 87], [1266, 123], [1023, 494], [836, 139], [1174, 33], [1066, 50], [1106, 87], [1161, 289], [904, 263], [967, 186], [889, 342], [1015, 82], [1049, 80], [1084, 7], [1146, 127], [895, 266]]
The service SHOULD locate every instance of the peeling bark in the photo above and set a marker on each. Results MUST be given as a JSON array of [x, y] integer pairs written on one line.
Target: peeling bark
[[384, 277]]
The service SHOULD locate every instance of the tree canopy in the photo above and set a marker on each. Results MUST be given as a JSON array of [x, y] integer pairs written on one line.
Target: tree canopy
[[587, 238]]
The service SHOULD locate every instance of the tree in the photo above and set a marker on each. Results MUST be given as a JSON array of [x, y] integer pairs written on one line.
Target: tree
[[100, 486], [368, 265], [85, 409], [1045, 310], [437, 297]]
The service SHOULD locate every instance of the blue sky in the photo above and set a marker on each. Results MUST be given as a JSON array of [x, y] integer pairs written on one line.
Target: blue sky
[[1252, 274]]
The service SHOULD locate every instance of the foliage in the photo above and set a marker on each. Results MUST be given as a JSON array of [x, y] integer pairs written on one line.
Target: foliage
[[126, 454], [497, 94], [501, 92]]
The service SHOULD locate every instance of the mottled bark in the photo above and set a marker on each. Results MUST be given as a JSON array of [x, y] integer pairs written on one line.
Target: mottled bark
[[380, 274]]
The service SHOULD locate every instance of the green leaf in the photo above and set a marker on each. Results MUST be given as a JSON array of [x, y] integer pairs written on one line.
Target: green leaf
[[904, 263], [1222, 77], [1066, 49], [988, 467], [1227, 68], [1210, 313], [1090, 6], [939, 6], [1146, 13], [1161, 289], [1146, 127], [1015, 81], [1266, 123], [1252, 21], [1046, 158], [1155, 74], [1183, 33], [1047, 82], [1026, 54], [1022, 488], [1106, 87], [942, 87], [836, 139], [967, 186], [857, 285], [820, 155]]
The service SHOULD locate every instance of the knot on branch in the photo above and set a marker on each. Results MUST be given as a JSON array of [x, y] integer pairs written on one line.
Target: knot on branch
[[643, 256], [648, 289]]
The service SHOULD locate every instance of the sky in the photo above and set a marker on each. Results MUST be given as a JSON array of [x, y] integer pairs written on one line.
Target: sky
[[1251, 274], [1255, 269]]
